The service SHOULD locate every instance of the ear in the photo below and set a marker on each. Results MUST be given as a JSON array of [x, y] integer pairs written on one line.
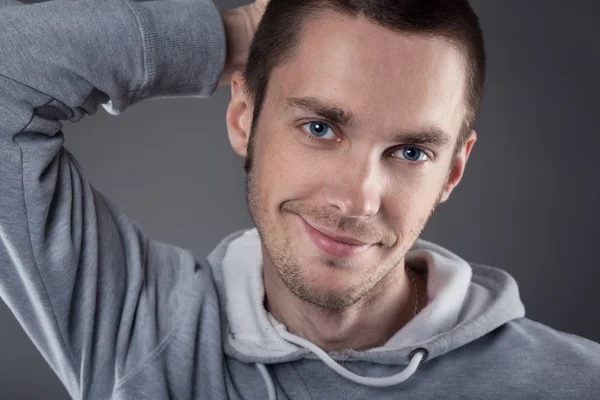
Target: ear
[[239, 115], [458, 169]]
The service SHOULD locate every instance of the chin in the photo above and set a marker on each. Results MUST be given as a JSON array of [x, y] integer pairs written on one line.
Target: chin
[[324, 285]]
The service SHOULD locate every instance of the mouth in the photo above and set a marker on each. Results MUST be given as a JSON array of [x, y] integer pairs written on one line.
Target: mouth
[[333, 244]]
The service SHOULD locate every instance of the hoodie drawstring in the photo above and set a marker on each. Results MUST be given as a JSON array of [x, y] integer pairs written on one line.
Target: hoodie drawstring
[[415, 360], [268, 381]]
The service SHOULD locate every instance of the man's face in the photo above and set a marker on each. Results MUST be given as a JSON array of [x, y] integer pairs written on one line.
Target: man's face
[[331, 156]]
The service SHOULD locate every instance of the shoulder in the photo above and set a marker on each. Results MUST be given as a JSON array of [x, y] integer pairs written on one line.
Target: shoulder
[[536, 361], [539, 337], [530, 345], [567, 363]]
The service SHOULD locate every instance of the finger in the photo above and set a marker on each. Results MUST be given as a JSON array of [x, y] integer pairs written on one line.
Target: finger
[[262, 3]]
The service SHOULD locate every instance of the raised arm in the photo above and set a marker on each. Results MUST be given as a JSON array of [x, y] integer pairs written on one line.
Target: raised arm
[[92, 292]]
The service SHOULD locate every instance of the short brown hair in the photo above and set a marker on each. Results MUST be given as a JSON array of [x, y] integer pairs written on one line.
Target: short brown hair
[[280, 29]]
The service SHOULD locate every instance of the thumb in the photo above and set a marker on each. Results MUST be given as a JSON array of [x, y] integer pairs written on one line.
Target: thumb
[[255, 11]]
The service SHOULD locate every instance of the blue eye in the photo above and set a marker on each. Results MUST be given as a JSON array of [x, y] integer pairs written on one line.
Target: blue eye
[[319, 129], [411, 153]]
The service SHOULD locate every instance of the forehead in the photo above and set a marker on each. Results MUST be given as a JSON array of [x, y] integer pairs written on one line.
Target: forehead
[[379, 75]]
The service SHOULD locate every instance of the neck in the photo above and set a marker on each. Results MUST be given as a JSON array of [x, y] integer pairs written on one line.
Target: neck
[[366, 324]]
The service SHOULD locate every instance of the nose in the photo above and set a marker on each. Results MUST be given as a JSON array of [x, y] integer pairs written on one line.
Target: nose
[[356, 189]]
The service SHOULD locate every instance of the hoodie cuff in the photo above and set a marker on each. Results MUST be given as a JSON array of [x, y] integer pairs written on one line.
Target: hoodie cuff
[[184, 47]]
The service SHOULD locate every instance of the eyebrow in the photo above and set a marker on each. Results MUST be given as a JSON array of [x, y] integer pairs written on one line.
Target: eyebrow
[[332, 114], [433, 136]]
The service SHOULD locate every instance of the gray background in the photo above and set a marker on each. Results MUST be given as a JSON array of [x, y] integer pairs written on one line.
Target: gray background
[[527, 203]]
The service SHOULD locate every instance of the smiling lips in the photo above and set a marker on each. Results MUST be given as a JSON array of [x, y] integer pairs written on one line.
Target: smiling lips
[[335, 245]]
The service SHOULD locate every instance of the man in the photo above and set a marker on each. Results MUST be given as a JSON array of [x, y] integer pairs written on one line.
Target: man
[[356, 121]]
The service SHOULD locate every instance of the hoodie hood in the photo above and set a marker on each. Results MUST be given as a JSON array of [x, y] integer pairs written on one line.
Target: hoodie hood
[[465, 302]]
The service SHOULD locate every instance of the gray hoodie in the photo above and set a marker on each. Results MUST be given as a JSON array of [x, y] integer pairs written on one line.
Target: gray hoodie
[[119, 315]]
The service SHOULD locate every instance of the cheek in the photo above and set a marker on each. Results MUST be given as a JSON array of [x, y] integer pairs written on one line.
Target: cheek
[[287, 170], [410, 200]]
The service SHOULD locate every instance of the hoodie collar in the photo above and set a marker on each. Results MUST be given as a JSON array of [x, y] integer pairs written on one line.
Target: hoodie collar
[[465, 301]]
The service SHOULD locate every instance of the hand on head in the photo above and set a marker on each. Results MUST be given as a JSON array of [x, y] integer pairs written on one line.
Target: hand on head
[[240, 25]]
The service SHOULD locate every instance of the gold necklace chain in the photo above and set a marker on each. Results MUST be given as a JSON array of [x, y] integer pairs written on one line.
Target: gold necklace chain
[[417, 294]]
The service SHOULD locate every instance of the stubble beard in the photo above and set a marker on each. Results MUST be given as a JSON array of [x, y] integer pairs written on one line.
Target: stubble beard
[[279, 251]]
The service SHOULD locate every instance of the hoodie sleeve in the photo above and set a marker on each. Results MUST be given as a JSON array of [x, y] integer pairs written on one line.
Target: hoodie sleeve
[[91, 291]]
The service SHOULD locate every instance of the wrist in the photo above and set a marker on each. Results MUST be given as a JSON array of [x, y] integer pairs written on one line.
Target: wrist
[[237, 44]]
